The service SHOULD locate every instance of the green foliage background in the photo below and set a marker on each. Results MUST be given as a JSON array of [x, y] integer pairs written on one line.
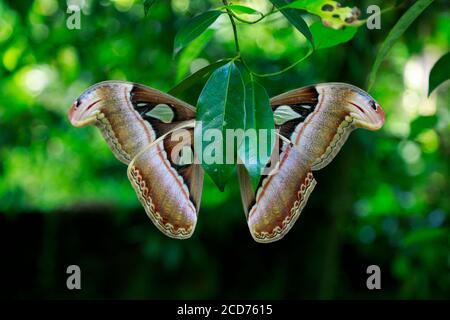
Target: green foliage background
[[65, 200]]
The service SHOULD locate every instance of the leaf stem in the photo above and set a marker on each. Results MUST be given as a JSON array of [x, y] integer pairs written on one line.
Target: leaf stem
[[277, 73], [247, 21], [263, 16], [233, 24]]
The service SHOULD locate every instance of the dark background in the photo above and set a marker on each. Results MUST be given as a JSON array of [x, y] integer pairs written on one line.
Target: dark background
[[65, 200]]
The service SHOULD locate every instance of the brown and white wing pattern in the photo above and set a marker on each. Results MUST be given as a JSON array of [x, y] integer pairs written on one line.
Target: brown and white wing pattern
[[130, 116], [316, 121], [136, 121], [280, 197], [169, 184]]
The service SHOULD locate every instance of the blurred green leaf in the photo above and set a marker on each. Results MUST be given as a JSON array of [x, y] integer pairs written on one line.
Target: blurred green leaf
[[401, 267], [258, 116], [191, 52], [221, 106], [197, 76], [421, 124], [383, 202], [194, 28], [295, 18], [439, 73], [331, 13], [396, 32], [423, 236], [326, 37], [148, 5], [241, 9]]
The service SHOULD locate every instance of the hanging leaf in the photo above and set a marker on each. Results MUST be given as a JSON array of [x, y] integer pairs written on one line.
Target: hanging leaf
[[195, 77], [439, 73], [396, 32], [194, 28], [258, 120], [147, 6], [421, 124], [241, 9], [295, 18], [331, 12], [221, 106], [326, 37], [191, 52]]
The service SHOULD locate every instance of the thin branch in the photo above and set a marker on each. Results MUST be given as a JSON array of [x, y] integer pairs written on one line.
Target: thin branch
[[233, 16], [273, 74], [233, 24], [263, 16]]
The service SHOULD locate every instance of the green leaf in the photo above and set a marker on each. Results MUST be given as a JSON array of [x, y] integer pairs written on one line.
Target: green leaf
[[421, 124], [424, 236], [241, 9], [331, 13], [258, 116], [295, 18], [397, 31], [195, 77], [147, 6], [191, 52], [221, 106], [326, 37], [194, 28], [439, 73]]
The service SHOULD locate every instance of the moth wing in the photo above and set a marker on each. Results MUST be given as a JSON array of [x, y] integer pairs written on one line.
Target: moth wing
[[316, 120], [161, 110], [273, 209], [133, 115], [142, 126], [283, 191], [169, 183]]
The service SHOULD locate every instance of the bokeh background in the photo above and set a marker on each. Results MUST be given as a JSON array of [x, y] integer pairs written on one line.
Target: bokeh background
[[64, 199]]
